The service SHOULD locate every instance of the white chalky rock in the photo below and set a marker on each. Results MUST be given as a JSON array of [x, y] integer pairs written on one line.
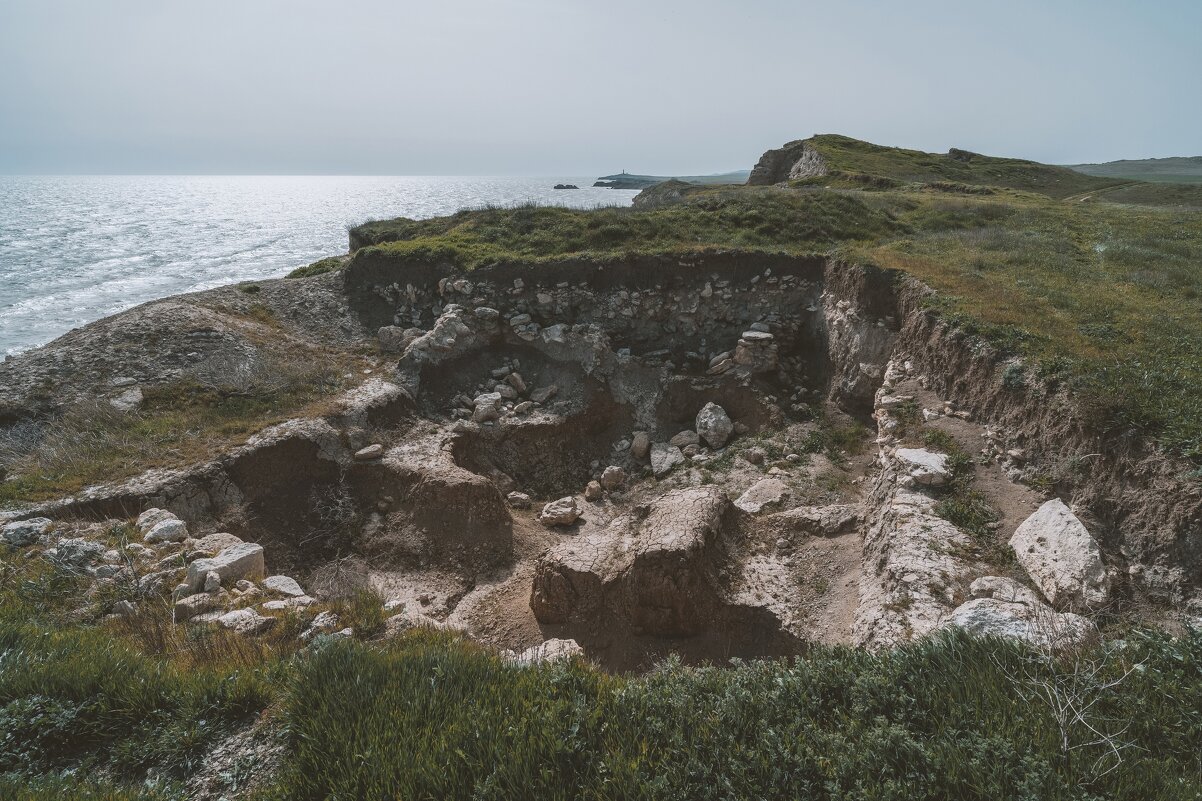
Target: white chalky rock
[[664, 457], [284, 585], [170, 530], [925, 467], [151, 518], [552, 650], [765, 492], [25, 532], [245, 621], [1061, 557], [242, 561], [562, 512]]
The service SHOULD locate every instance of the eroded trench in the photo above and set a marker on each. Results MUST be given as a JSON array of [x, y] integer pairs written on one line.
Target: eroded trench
[[581, 367], [639, 574], [587, 361]]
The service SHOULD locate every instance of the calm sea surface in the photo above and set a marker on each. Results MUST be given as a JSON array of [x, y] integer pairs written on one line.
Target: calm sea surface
[[75, 249]]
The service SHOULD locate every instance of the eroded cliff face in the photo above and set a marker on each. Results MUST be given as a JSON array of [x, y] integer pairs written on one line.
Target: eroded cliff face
[[792, 161], [742, 454]]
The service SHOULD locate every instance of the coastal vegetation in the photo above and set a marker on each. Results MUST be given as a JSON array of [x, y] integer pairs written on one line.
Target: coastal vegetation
[[428, 715]]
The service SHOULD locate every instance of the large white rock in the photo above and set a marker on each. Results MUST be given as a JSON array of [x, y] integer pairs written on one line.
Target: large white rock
[[241, 561], [151, 518], [169, 530], [765, 492], [1002, 607], [245, 621], [25, 532], [925, 467], [1061, 557], [664, 457], [562, 512], [714, 425], [284, 585]]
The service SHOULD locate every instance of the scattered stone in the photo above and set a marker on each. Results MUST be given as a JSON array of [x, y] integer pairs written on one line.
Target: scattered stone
[[171, 530], [518, 500], [371, 452], [664, 457], [640, 445], [562, 512], [516, 381], [190, 606], [124, 609], [77, 552], [552, 650], [25, 532], [242, 561], [924, 467], [714, 425], [613, 477], [246, 621], [485, 407], [394, 339], [212, 581], [684, 439], [593, 491], [325, 621], [151, 518], [755, 455], [544, 394], [1061, 557], [284, 585], [298, 602], [765, 492], [213, 544], [128, 400]]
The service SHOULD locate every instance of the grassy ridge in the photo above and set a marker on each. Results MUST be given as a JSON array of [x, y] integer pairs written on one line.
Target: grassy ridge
[[847, 155]]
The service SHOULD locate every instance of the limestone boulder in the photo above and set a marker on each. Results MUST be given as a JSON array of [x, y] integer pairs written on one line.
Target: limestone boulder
[[1001, 607], [25, 532], [1061, 557], [665, 457], [924, 467], [553, 650], [170, 530], [242, 561]]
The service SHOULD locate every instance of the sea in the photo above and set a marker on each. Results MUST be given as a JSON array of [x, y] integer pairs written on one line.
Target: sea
[[74, 249]]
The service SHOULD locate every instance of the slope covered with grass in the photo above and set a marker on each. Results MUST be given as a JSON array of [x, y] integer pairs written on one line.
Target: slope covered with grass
[[846, 155]]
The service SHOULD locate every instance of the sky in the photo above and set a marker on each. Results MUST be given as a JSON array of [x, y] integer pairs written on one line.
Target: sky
[[583, 87]]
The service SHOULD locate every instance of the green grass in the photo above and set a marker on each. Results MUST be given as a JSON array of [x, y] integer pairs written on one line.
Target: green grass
[[433, 717], [852, 156], [319, 267], [178, 424], [749, 219], [430, 715]]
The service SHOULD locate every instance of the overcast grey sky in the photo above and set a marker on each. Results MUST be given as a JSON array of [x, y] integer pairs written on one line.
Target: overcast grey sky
[[583, 87]]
